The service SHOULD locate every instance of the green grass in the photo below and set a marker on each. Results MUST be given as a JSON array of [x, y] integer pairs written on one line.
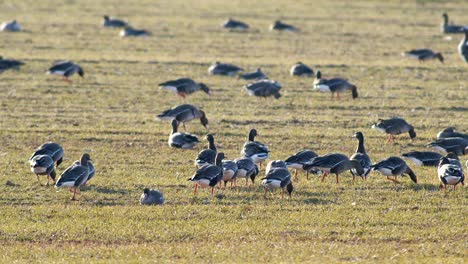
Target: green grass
[[110, 114]]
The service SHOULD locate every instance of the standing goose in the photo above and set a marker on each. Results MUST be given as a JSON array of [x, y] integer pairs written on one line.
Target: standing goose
[[6, 64], [264, 88], [457, 145], [334, 85], [280, 26], [424, 55], [450, 132], [361, 156], [184, 113], [254, 150], [300, 69], [229, 171], [233, 24], [247, 169], [394, 166], [256, 75], [54, 150], [10, 26], [112, 22], [181, 140], [66, 69], [449, 173], [278, 177], [43, 165], [219, 68], [75, 176], [91, 169], [336, 161], [207, 156], [129, 31], [394, 126], [298, 160], [151, 197], [208, 175], [446, 27], [184, 86], [423, 158], [463, 47]]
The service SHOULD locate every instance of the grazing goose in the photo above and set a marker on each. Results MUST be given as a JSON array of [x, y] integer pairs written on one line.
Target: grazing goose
[[300, 69], [449, 173], [246, 168], [423, 55], [208, 175], [6, 64], [298, 160], [43, 165], [457, 145], [394, 166], [66, 69], [54, 150], [151, 197], [129, 31], [423, 158], [333, 163], [184, 113], [207, 156], [256, 75], [278, 177], [10, 26], [463, 47], [113, 22], [75, 176], [181, 140], [184, 86], [280, 26], [234, 24], [334, 85], [394, 126], [361, 156], [229, 171], [446, 27], [219, 68], [254, 150], [450, 132], [264, 88]]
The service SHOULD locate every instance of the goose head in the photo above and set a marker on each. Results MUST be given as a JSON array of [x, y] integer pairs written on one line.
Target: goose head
[[252, 134], [204, 120], [445, 16], [80, 72], [289, 188], [318, 75], [219, 159], [84, 159], [358, 135], [439, 57], [106, 17], [205, 88]]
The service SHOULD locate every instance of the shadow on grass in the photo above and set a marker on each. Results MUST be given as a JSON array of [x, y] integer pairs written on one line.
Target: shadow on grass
[[106, 190]]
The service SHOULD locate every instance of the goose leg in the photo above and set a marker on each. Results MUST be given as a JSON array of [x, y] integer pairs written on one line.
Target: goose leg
[[307, 174], [38, 180], [264, 193], [338, 96], [212, 190], [246, 181], [67, 80], [337, 181], [195, 188], [74, 194], [324, 175], [295, 175]]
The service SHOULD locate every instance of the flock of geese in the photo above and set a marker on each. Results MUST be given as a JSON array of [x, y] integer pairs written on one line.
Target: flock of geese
[[213, 169]]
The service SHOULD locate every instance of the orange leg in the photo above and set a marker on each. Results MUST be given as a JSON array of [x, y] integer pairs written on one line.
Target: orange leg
[[195, 188], [74, 194], [265, 193], [337, 181], [67, 80], [325, 174]]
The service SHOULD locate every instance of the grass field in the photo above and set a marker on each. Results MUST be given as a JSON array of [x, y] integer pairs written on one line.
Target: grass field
[[111, 115]]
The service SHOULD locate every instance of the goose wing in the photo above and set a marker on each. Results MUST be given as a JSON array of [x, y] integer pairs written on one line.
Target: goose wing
[[252, 148], [208, 172]]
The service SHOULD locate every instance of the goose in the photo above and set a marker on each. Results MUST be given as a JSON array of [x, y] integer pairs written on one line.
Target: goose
[[234, 24], [207, 156], [394, 126], [334, 85], [75, 175], [280, 26], [424, 54], [219, 68], [246, 168], [91, 169], [181, 140], [230, 170], [66, 69], [463, 47], [254, 150], [151, 197], [184, 86], [449, 173], [43, 165], [184, 113], [394, 166], [450, 28], [129, 31], [256, 75], [333, 163], [113, 22], [300, 69], [264, 88], [54, 150], [450, 132], [6, 64], [423, 158], [361, 156], [457, 145], [278, 177], [297, 160], [275, 164], [10, 26], [208, 175]]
